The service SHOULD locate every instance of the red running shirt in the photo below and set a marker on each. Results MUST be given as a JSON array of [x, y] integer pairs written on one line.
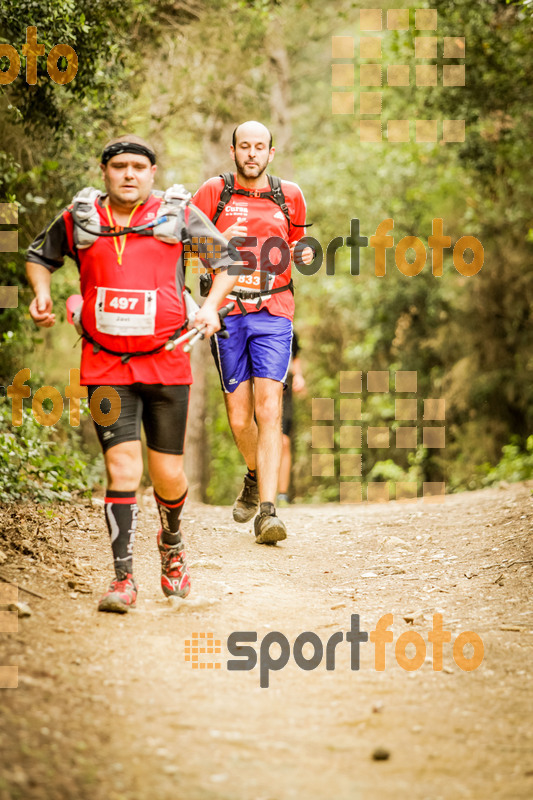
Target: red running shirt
[[264, 220], [135, 305]]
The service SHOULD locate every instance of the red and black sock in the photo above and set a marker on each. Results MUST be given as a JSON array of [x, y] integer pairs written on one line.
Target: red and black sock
[[121, 511], [170, 513], [252, 473]]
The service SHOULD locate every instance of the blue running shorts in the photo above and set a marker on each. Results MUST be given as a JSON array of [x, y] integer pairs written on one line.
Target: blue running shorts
[[259, 346]]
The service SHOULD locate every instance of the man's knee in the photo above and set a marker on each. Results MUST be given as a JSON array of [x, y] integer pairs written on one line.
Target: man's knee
[[124, 467], [240, 417], [268, 410], [169, 474], [165, 468]]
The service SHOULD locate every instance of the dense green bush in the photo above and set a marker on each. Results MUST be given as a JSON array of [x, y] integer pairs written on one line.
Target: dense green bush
[[516, 463], [41, 463]]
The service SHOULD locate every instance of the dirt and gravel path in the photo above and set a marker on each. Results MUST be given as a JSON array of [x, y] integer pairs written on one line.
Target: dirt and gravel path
[[107, 708]]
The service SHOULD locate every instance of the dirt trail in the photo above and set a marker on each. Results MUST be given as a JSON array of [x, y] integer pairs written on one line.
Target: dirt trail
[[108, 709]]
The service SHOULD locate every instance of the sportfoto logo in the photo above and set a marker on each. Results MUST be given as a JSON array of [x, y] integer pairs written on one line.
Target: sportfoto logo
[[345, 415], [32, 49], [9, 243], [374, 75], [9, 623], [19, 390], [410, 253], [274, 649]]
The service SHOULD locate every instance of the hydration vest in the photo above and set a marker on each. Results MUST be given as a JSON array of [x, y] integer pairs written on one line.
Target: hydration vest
[[169, 225]]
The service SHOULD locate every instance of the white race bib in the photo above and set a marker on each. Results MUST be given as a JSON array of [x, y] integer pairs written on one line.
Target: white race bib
[[125, 312]]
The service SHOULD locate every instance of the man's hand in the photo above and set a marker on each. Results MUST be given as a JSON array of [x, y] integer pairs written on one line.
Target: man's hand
[[298, 382], [304, 256], [41, 305], [41, 311], [208, 316], [237, 232]]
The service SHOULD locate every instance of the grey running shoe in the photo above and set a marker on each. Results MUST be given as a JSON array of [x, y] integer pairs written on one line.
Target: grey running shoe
[[269, 529], [246, 504]]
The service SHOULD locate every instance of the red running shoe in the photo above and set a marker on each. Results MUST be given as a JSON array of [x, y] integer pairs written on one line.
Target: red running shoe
[[175, 578], [120, 596]]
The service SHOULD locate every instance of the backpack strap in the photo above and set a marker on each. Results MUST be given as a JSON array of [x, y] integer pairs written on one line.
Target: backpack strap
[[275, 194], [245, 295], [278, 197], [225, 195], [125, 357]]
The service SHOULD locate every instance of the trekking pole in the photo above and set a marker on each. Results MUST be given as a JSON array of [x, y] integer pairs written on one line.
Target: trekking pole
[[184, 338], [198, 332]]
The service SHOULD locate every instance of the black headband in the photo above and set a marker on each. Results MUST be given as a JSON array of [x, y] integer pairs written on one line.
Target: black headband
[[126, 147]]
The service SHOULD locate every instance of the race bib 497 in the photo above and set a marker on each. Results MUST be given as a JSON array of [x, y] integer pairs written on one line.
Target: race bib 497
[[125, 312]]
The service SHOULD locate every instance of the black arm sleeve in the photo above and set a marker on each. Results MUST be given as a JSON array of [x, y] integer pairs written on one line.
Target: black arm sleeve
[[51, 245]]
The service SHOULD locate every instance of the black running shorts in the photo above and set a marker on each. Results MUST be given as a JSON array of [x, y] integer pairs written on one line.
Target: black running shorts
[[286, 419], [161, 409]]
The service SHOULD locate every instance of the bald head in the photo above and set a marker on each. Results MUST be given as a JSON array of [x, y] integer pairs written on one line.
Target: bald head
[[252, 152], [252, 129]]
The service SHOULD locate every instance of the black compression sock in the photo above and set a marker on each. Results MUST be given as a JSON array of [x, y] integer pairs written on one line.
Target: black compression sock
[[121, 511], [169, 514]]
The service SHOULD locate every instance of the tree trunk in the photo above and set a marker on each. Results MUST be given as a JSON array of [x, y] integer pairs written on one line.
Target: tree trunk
[[217, 139], [216, 147], [280, 102]]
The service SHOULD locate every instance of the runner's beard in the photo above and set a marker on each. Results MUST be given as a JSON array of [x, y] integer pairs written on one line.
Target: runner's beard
[[243, 169]]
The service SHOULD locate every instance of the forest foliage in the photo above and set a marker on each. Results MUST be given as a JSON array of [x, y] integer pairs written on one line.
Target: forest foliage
[[184, 74]]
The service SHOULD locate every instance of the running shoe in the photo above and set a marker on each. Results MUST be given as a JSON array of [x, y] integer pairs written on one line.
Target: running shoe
[[175, 578], [269, 529], [120, 596], [246, 504]]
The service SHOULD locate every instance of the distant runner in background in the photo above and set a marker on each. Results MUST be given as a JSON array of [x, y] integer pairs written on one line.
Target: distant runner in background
[[295, 383]]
